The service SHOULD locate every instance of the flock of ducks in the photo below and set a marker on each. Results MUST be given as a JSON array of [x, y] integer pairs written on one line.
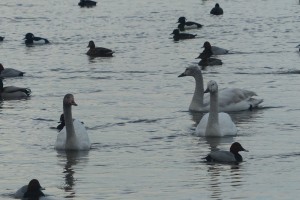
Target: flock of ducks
[[215, 123]]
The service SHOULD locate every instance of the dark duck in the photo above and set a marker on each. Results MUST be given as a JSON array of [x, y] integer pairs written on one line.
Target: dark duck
[[181, 36], [184, 25], [98, 51], [30, 39]]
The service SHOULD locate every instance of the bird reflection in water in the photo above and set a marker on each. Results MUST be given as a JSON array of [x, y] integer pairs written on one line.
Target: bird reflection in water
[[71, 158]]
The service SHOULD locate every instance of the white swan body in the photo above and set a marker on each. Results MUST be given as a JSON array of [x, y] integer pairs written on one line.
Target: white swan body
[[74, 135], [215, 124], [229, 99], [218, 50]]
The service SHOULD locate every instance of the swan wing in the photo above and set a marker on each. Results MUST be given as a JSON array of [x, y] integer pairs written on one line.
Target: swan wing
[[227, 127]]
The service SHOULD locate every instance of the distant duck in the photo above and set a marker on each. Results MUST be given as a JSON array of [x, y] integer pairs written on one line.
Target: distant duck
[[205, 56], [231, 156], [217, 10], [182, 36], [1, 38], [32, 191], [9, 72], [13, 93], [215, 124], [98, 51], [73, 136], [62, 123], [229, 99], [184, 25], [87, 3], [298, 46], [30, 39]]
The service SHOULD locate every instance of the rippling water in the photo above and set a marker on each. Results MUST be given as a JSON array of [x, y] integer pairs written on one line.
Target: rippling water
[[136, 108]]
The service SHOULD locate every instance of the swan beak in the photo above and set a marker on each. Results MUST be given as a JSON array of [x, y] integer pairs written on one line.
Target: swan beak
[[182, 75], [206, 91]]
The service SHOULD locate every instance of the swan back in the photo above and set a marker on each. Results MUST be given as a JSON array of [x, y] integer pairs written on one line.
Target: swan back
[[74, 135], [215, 124]]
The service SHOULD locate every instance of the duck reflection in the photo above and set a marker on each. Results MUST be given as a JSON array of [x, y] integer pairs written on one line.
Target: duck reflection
[[71, 158]]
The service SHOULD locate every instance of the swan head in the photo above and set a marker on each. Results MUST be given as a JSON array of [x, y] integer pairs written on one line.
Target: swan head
[[212, 87], [191, 71], [69, 100], [236, 147], [91, 44]]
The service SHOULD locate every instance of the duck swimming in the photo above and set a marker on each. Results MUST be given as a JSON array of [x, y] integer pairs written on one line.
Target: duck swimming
[[217, 10], [231, 156], [30, 39], [205, 56], [98, 51], [1, 38], [13, 93], [230, 99], [182, 36], [10, 72], [32, 191], [215, 124], [87, 3], [184, 25]]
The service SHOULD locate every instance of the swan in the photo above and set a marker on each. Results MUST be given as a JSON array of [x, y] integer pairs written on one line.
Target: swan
[[9, 72], [227, 156], [98, 51], [230, 99], [13, 93], [30, 191], [215, 124], [74, 135]]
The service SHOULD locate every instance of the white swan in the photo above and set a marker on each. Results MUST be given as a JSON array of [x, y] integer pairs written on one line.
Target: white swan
[[215, 124], [230, 99], [9, 72], [13, 93], [74, 135]]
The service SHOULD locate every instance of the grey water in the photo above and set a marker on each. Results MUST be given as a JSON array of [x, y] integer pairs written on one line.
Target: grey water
[[135, 107]]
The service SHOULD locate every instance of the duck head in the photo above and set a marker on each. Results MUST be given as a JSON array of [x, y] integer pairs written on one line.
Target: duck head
[[29, 36], [91, 45], [181, 20], [175, 32], [236, 147]]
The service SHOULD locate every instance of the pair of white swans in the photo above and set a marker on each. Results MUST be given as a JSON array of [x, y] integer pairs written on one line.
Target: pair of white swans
[[74, 135], [230, 99]]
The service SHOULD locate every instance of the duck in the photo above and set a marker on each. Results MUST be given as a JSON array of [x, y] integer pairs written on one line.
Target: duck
[[205, 56], [87, 3], [61, 122], [230, 99], [98, 51], [182, 36], [184, 25], [1, 38], [30, 191], [213, 123], [13, 92], [298, 46], [73, 136], [217, 10], [10, 72], [30, 39], [231, 156]]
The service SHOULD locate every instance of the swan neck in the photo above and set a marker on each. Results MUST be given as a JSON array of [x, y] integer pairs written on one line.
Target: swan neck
[[213, 110], [69, 121], [197, 100]]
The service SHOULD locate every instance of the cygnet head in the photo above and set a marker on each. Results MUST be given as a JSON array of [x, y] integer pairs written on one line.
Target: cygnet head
[[236, 147], [69, 100], [190, 71], [212, 87], [91, 44]]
